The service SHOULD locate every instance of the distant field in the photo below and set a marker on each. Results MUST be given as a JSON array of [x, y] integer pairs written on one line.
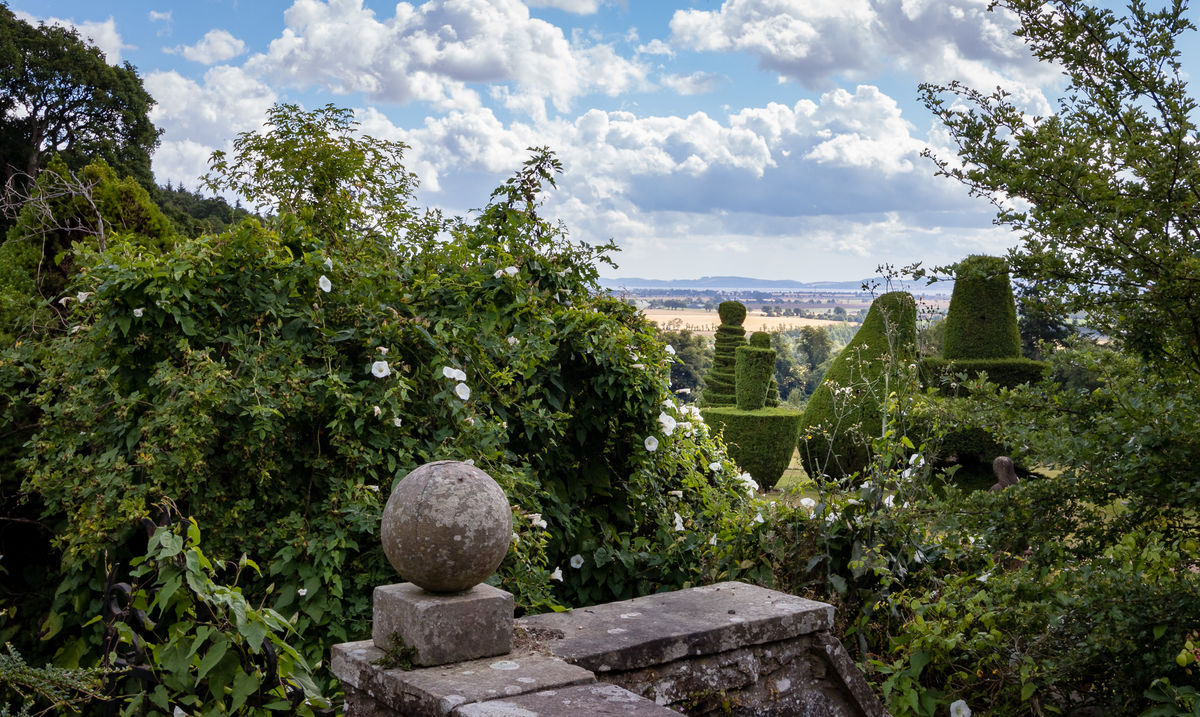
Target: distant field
[[706, 322]]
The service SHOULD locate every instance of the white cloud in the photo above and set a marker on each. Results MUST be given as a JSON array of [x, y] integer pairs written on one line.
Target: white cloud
[[103, 35], [428, 53], [216, 46], [697, 83], [156, 16], [656, 47], [582, 7]]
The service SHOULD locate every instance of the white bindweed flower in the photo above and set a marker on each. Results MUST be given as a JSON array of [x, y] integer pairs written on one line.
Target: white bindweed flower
[[510, 270], [376, 410], [749, 484], [513, 341], [713, 539], [462, 391], [536, 520], [983, 579], [382, 350], [499, 273], [556, 575], [396, 422], [577, 561], [678, 523], [670, 349], [328, 264], [667, 423], [302, 592], [639, 366], [380, 369], [138, 312], [715, 467], [959, 709], [889, 500], [470, 461], [809, 504], [758, 518], [325, 284], [676, 493], [83, 295], [651, 443]]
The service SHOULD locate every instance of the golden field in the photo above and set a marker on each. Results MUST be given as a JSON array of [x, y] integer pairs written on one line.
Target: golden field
[[706, 322]]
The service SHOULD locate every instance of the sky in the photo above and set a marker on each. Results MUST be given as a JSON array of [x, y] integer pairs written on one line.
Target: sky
[[775, 139]]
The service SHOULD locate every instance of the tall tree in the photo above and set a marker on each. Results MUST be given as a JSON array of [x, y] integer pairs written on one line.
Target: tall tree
[[1109, 184], [58, 94]]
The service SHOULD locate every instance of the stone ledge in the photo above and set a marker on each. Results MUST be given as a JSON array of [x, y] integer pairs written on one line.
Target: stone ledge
[[439, 690], [656, 629], [577, 701]]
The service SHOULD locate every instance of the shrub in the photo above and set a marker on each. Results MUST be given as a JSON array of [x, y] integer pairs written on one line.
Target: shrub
[[722, 377], [754, 368], [761, 441], [981, 322], [1006, 372], [848, 409], [762, 339]]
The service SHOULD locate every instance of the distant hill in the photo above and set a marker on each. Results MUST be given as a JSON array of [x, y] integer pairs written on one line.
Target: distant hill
[[728, 283]]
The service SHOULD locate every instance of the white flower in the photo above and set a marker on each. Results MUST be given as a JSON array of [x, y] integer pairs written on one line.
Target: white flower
[[462, 391], [983, 579], [639, 366], [178, 712], [668, 404], [83, 295], [302, 592], [889, 500], [749, 484], [499, 273], [676, 493], [377, 410], [809, 504], [651, 443], [382, 350], [668, 423], [758, 518], [449, 372], [715, 466], [510, 270], [556, 575], [536, 520], [670, 349], [915, 459], [960, 709], [396, 422], [380, 369], [137, 313], [713, 539], [577, 561], [470, 461], [325, 284], [685, 428], [516, 538], [678, 522], [328, 264], [513, 341]]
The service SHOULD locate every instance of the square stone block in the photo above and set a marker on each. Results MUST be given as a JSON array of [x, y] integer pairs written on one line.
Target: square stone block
[[444, 628]]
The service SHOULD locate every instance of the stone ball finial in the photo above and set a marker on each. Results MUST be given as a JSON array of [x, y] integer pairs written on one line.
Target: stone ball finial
[[732, 313], [446, 527]]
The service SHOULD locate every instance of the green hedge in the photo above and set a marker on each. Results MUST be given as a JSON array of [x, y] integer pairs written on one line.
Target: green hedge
[[722, 377], [762, 339], [835, 440], [761, 441], [754, 368], [981, 322], [1007, 372]]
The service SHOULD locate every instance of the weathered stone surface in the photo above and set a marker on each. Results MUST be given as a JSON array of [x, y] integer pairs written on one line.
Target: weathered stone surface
[[576, 701], [436, 691], [447, 526], [656, 629], [444, 628]]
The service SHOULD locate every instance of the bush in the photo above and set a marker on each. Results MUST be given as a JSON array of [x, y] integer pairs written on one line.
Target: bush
[[720, 384], [1006, 372], [761, 441], [848, 409], [981, 322]]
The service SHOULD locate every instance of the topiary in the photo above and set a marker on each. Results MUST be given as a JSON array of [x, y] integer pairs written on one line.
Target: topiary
[[754, 368], [722, 379], [762, 339], [847, 409], [981, 322], [761, 441]]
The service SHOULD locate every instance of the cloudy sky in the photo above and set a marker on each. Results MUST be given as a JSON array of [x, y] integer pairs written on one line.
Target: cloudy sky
[[764, 138]]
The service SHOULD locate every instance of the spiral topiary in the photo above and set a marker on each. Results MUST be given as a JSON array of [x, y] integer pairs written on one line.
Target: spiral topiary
[[722, 378]]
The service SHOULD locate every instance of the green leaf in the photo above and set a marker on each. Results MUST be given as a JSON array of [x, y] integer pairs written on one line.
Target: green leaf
[[1027, 690], [244, 685], [212, 657]]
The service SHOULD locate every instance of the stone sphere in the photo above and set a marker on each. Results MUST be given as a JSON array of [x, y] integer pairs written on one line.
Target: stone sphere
[[446, 527]]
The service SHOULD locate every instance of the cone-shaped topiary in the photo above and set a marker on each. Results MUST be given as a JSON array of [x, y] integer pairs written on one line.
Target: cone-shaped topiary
[[981, 322], [845, 411], [754, 368], [722, 378]]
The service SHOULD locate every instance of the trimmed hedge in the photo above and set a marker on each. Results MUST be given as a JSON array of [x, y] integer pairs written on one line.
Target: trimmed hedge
[[1008, 372], [754, 368], [722, 377], [762, 339], [761, 441], [981, 322], [835, 441]]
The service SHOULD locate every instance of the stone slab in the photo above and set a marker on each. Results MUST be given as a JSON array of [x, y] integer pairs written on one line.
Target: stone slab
[[581, 701], [656, 629], [439, 690], [444, 628]]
